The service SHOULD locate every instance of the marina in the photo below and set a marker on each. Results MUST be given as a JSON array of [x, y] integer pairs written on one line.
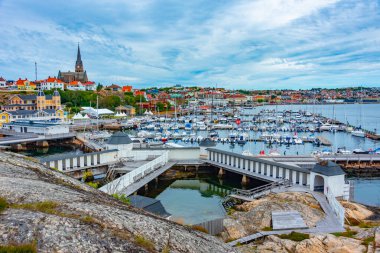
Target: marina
[[272, 150]]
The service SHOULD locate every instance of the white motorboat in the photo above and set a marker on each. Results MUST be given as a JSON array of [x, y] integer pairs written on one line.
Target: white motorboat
[[247, 153], [358, 133]]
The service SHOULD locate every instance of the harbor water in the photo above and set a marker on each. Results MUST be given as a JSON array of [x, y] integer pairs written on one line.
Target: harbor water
[[197, 199], [366, 191]]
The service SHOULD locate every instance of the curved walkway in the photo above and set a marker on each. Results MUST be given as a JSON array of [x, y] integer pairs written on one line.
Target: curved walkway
[[329, 224]]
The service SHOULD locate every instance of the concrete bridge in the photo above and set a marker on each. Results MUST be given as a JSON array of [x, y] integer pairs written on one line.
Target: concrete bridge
[[12, 138], [260, 168]]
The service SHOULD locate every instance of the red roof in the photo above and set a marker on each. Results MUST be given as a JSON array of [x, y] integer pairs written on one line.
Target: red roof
[[21, 81], [52, 80], [88, 83], [2, 79], [75, 83]]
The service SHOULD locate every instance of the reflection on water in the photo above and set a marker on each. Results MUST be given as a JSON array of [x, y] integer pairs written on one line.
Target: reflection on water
[[367, 191], [198, 199], [51, 150]]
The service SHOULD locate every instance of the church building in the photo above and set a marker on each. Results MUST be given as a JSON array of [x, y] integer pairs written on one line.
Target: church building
[[79, 75]]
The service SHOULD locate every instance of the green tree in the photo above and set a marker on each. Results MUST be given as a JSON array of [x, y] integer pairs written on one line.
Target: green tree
[[139, 98], [110, 102], [160, 106], [130, 100], [99, 87]]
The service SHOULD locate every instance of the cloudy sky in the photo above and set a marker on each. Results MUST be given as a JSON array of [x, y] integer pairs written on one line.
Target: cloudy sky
[[235, 44]]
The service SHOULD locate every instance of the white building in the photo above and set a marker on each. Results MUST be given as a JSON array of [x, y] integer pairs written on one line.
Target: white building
[[328, 178], [122, 143], [52, 83], [36, 127], [3, 82], [76, 85]]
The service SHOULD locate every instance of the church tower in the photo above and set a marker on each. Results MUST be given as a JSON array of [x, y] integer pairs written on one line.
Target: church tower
[[41, 100], [56, 100], [79, 63]]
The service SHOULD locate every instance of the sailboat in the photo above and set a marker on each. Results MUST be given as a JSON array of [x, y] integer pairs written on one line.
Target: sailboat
[[358, 132]]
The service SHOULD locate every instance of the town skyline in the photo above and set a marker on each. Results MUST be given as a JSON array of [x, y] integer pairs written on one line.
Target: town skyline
[[237, 45]]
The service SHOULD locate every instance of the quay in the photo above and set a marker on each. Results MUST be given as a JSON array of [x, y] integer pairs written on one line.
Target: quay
[[12, 137]]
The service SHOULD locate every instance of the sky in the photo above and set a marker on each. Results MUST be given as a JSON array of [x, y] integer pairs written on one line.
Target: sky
[[259, 44]]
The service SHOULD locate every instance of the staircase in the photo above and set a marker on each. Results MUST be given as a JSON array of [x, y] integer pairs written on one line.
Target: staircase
[[248, 195]]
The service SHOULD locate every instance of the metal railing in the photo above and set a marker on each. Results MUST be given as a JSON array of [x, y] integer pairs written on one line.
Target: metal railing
[[258, 190], [135, 175]]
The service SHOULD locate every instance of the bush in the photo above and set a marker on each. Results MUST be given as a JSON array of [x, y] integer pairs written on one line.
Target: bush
[[3, 204], [143, 242], [88, 176], [267, 229], [122, 198], [22, 248], [295, 236], [230, 211]]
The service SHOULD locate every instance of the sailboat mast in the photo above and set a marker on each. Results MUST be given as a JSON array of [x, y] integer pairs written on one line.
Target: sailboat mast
[[97, 112]]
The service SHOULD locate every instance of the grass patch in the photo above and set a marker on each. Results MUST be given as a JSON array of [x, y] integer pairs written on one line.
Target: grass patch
[[93, 185], [348, 233], [21, 248], [166, 249], [145, 243], [199, 228], [368, 241], [88, 219], [122, 197], [49, 207], [364, 225], [267, 229], [3, 204], [295, 236]]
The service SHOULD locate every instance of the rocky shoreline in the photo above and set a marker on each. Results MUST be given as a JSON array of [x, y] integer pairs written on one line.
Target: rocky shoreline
[[57, 213], [362, 226]]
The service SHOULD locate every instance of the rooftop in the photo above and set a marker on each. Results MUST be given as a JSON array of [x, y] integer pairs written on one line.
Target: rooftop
[[330, 169], [119, 138]]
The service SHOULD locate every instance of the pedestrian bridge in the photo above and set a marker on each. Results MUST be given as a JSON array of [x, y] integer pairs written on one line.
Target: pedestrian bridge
[[261, 168]]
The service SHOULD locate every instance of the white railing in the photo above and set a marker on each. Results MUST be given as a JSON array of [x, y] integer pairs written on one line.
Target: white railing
[[135, 175], [336, 207], [346, 190]]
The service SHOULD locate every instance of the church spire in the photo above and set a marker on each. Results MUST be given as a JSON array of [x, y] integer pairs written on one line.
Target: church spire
[[79, 64]]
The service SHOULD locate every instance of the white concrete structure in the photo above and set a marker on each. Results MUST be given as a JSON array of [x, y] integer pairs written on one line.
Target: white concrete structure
[[135, 175], [37, 127], [70, 161], [121, 142], [329, 178]]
